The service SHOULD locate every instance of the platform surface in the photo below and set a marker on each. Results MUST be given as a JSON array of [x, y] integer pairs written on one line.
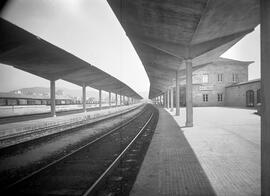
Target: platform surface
[[220, 155], [17, 127]]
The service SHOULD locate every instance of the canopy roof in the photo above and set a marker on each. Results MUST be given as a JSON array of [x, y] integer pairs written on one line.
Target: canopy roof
[[30, 53], [164, 33]]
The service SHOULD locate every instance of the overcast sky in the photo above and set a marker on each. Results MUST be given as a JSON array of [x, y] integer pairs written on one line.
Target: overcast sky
[[90, 30]]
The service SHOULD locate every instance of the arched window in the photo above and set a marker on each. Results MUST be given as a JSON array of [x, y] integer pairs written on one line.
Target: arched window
[[250, 98]]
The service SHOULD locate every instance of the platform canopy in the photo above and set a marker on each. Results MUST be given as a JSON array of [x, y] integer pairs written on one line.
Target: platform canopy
[[165, 33], [30, 53]]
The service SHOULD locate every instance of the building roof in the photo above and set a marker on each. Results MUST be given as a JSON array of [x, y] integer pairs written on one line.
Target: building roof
[[232, 61], [165, 33], [32, 54], [243, 83]]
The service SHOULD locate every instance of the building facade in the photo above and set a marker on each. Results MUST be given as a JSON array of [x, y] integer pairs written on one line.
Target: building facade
[[245, 94], [210, 81]]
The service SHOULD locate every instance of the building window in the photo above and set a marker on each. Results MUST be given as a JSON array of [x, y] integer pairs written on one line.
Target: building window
[[205, 97], [220, 77], [235, 77], [250, 98], [220, 97], [205, 78]]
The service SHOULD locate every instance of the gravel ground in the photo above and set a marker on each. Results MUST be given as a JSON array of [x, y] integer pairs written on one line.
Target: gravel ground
[[19, 160]]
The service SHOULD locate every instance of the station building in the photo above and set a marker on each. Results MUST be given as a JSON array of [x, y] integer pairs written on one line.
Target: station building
[[243, 94], [223, 82]]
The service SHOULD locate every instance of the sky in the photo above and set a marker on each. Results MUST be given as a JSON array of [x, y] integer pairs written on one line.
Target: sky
[[89, 30]]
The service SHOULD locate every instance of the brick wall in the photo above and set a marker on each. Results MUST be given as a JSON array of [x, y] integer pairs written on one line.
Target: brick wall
[[236, 95], [214, 87]]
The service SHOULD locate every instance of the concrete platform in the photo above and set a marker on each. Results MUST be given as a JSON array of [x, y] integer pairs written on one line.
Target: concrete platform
[[220, 155], [67, 121], [18, 110]]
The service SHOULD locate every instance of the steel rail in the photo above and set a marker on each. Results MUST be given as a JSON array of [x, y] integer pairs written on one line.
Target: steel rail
[[107, 172], [72, 126], [72, 152]]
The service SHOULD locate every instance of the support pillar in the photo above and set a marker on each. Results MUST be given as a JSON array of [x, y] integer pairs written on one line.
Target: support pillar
[[121, 100], [116, 100], [171, 99], [168, 99], [189, 107], [100, 98], [265, 95], [52, 88], [177, 97], [84, 97], [110, 101], [164, 100]]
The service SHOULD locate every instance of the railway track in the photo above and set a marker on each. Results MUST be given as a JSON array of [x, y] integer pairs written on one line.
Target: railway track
[[25, 117], [28, 135], [85, 170]]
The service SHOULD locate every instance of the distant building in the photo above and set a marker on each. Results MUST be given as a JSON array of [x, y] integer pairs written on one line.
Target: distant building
[[213, 84], [243, 94]]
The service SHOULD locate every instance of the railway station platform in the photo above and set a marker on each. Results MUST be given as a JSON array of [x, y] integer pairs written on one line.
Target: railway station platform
[[51, 125], [220, 155]]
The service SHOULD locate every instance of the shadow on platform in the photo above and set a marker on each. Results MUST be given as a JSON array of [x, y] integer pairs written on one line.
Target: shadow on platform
[[171, 166]]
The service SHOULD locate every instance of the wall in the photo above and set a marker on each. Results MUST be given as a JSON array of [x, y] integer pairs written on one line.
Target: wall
[[236, 95], [215, 87]]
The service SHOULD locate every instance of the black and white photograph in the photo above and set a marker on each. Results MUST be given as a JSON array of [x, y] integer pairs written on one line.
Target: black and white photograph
[[135, 97]]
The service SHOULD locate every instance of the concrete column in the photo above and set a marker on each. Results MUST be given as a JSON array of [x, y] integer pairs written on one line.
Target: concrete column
[[265, 110], [164, 100], [52, 88], [171, 99], [110, 99], [116, 100], [177, 97], [168, 99], [100, 98], [120, 99], [84, 97], [189, 107]]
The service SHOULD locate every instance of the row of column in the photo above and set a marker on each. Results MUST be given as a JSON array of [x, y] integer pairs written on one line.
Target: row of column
[[265, 81], [169, 94], [122, 98]]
